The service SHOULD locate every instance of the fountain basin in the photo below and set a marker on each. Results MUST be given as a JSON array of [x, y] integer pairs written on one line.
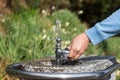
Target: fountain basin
[[87, 68]]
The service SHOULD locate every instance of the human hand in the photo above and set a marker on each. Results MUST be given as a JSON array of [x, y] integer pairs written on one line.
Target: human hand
[[78, 46]]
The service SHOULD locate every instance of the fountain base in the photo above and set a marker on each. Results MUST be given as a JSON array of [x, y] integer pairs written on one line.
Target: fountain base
[[87, 68]]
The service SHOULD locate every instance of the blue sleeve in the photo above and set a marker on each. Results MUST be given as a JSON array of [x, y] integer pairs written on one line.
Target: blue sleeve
[[105, 29]]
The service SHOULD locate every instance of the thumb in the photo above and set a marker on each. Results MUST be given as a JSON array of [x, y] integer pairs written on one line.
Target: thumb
[[69, 47]]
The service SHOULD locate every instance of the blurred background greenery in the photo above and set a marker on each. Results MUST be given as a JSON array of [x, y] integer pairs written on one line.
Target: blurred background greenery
[[26, 28]]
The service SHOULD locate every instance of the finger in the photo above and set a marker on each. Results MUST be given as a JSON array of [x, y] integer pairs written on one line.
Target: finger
[[69, 47], [72, 54], [73, 51], [82, 50], [78, 55], [76, 46]]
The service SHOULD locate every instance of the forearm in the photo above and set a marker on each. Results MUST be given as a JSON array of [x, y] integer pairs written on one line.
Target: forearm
[[105, 29]]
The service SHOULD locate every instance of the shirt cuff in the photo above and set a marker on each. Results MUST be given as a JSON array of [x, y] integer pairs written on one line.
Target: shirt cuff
[[94, 35]]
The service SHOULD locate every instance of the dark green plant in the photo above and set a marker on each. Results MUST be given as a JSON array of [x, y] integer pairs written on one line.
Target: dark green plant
[[97, 10]]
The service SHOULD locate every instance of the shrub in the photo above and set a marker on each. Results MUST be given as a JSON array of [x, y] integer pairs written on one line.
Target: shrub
[[107, 47], [112, 46], [30, 35], [25, 38], [70, 24]]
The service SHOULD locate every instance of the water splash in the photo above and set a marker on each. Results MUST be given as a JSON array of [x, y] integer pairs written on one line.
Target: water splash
[[57, 29]]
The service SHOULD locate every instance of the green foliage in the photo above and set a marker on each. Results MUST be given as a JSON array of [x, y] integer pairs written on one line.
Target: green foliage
[[112, 46], [70, 24], [91, 11], [94, 50], [30, 35], [118, 77], [107, 47], [25, 37]]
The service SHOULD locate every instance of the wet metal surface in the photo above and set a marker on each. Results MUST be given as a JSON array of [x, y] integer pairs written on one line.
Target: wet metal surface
[[49, 66]]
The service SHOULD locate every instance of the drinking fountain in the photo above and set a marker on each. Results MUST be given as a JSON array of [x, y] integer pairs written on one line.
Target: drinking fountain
[[59, 67]]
